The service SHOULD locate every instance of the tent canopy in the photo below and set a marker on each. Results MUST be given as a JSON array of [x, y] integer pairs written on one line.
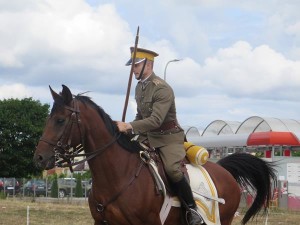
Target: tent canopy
[[253, 131]]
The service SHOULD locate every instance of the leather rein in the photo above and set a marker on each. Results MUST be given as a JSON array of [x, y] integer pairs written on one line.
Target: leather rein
[[65, 153]]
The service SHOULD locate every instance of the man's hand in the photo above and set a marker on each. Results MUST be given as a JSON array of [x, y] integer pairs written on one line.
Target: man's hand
[[123, 127]]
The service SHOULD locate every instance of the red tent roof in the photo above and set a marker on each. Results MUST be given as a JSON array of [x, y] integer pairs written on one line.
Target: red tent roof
[[272, 138]]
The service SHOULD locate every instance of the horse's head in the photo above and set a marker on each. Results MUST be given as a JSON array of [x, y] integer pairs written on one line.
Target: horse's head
[[61, 132]]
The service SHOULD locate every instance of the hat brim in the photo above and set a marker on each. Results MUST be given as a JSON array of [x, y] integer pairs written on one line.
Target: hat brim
[[137, 60]]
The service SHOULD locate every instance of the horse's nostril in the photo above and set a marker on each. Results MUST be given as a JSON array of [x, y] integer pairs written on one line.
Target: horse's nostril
[[40, 158]]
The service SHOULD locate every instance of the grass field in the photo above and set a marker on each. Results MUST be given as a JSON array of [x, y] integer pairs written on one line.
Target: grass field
[[275, 217], [14, 212]]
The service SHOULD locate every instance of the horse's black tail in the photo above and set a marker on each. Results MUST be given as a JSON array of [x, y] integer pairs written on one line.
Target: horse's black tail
[[254, 174]]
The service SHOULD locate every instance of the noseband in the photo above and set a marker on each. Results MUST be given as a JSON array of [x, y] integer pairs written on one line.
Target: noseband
[[65, 153]]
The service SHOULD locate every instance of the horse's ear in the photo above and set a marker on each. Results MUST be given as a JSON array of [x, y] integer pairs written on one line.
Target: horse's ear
[[56, 97], [67, 95]]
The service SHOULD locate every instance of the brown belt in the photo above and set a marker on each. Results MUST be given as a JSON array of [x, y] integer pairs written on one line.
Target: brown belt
[[167, 126]]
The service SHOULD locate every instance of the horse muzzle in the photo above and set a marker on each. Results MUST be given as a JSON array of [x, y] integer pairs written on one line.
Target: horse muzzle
[[43, 161]]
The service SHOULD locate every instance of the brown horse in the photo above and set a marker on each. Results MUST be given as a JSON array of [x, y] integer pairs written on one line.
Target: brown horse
[[123, 190]]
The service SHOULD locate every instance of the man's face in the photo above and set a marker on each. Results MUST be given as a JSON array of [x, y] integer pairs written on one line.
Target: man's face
[[137, 69]]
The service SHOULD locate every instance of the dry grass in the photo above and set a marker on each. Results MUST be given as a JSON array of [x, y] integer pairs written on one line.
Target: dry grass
[[274, 217], [14, 211]]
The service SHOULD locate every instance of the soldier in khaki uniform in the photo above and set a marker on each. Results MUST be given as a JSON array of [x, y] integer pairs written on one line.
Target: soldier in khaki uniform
[[156, 121]]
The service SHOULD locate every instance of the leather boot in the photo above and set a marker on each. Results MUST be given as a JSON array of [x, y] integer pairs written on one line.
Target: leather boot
[[184, 192]]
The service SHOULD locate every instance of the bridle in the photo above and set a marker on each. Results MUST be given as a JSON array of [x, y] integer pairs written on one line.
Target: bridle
[[64, 152]]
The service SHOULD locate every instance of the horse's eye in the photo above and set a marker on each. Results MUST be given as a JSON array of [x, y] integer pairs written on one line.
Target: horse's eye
[[60, 121]]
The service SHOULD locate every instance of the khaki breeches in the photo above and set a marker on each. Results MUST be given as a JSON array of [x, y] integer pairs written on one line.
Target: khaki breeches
[[171, 156]]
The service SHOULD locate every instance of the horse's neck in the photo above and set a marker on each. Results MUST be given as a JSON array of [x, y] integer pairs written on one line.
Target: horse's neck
[[114, 167], [114, 164], [96, 133]]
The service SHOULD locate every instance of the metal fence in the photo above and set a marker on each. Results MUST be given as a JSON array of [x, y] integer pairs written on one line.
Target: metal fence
[[12, 187]]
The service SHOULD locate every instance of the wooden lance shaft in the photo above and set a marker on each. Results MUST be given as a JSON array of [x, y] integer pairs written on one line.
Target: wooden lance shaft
[[130, 75]]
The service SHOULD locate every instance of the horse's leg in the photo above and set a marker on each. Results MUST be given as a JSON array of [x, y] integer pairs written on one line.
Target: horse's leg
[[228, 189], [228, 210], [231, 194]]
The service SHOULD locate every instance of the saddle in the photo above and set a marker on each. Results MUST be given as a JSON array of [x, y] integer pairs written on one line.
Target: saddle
[[149, 154], [204, 190], [195, 154]]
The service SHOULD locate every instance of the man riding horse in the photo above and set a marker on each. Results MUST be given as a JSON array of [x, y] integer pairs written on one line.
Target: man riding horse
[[157, 123]]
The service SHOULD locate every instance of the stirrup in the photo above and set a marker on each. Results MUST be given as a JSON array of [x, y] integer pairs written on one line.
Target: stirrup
[[191, 214]]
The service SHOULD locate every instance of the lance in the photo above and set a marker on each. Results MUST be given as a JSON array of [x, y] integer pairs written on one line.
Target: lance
[[130, 74]]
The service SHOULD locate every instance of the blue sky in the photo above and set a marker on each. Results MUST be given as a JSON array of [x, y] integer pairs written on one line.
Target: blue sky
[[238, 58]]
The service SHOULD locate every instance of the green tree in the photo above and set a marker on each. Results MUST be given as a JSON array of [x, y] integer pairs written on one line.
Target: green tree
[[21, 125], [78, 188], [86, 175], [296, 153], [54, 188]]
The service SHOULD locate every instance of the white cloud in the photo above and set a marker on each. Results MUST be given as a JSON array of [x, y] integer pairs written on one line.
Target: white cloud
[[242, 70], [63, 37], [16, 90], [238, 58], [294, 29]]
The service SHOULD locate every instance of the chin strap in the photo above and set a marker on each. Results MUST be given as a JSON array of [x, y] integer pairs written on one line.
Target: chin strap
[[142, 71]]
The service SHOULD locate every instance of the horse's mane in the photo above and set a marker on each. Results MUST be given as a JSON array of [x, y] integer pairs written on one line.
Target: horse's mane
[[123, 140]]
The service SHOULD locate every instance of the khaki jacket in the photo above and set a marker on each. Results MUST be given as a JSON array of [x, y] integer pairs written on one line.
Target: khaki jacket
[[155, 105]]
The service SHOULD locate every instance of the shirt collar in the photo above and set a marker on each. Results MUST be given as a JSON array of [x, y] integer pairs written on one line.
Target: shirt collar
[[147, 79]]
